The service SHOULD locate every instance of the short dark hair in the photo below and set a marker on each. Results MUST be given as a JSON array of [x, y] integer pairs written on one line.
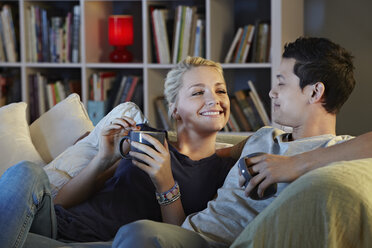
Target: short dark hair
[[321, 60]]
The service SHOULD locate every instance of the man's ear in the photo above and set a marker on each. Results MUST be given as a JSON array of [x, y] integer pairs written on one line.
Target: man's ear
[[317, 92]]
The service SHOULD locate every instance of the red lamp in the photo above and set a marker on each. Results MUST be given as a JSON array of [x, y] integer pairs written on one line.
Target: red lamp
[[120, 35]]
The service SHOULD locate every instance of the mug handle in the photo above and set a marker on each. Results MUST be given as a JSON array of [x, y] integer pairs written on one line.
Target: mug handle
[[125, 156]]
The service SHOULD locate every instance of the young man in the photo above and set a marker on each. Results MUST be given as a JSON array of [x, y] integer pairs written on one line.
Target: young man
[[315, 78]]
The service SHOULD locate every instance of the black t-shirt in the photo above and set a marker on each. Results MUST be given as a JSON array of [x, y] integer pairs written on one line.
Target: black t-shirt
[[130, 195]]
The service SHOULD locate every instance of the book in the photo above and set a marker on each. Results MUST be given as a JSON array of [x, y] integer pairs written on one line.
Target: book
[[75, 44], [247, 44], [120, 91], [198, 38], [9, 34], [41, 93], [133, 85], [182, 33], [162, 35], [106, 79], [233, 45], [239, 115], [258, 103], [2, 51], [262, 50], [242, 41], [257, 116], [177, 30], [162, 113], [38, 33], [45, 35], [248, 111], [126, 89], [155, 32], [233, 123]]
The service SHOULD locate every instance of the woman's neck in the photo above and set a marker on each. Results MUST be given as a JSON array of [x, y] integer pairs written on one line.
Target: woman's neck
[[196, 146]]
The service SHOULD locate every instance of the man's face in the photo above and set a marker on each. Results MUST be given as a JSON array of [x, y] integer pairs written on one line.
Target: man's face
[[290, 102]]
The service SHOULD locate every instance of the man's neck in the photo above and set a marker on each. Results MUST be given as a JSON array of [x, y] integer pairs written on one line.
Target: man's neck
[[316, 127]]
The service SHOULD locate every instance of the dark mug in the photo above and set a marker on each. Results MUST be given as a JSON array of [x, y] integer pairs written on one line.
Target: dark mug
[[138, 137], [247, 172]]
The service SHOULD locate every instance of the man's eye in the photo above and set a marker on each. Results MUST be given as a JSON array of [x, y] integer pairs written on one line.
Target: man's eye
[[222, 91]]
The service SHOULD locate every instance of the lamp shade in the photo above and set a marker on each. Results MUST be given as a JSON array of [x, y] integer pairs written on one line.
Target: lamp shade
[[120, 30]]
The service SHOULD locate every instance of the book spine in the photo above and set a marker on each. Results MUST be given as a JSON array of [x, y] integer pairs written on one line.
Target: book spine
[[164, 36], [8, 31], [76, 35], [239, 115], [2, 50], [182, 29], [131, 89], [126, 89], [241, 44], [248, 44], [156, 35], [233, 45], [162, 113], [176, 37], [260, 105], [45, 35]]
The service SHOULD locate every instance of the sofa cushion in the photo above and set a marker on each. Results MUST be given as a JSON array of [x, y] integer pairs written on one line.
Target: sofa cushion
[[15, 140], [76, 157], [60, 127]]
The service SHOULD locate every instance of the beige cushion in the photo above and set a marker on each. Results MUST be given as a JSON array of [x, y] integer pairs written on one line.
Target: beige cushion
[[60, 127], [15, 140], [75, 158]]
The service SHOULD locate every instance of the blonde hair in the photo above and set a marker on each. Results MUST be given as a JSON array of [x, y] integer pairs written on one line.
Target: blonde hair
[[173, 81]]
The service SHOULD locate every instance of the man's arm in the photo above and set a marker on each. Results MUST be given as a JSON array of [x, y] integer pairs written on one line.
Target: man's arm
[[275, 168]]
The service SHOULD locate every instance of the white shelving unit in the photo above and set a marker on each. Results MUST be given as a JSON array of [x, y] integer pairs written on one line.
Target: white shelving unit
[[222, 18]]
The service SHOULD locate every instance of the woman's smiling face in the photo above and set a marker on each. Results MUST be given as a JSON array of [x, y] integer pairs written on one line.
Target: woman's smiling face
[[203, 103]]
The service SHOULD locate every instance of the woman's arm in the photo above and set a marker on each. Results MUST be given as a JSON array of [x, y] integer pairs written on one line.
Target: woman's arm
[[103, 165], [233, 151], [158, 167]]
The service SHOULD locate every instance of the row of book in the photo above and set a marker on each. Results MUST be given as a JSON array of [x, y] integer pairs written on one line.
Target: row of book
[[53, 39], [44, 92], [247, 113], [8, 42], [175, 37], [108, 89], [251, 43]]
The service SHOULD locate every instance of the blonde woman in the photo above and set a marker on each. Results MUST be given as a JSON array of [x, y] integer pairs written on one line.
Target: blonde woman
[[179, 178]]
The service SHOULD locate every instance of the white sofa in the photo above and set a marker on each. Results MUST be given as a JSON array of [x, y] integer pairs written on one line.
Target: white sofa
[[338, 214]]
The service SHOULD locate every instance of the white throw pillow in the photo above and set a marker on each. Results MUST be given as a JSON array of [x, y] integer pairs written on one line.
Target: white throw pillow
[[15, 140], [69, 163], [60, 127]]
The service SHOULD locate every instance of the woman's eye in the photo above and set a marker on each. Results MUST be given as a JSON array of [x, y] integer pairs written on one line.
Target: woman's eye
[[197, 93]]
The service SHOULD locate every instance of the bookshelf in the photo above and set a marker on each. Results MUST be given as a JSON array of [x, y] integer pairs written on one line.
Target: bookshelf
[[222, 18]]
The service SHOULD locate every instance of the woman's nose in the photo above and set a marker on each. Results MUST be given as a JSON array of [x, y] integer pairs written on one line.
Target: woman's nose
[[211, 100]]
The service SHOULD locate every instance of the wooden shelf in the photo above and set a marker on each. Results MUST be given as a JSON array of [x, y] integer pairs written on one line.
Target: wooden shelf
[[222, 18]]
